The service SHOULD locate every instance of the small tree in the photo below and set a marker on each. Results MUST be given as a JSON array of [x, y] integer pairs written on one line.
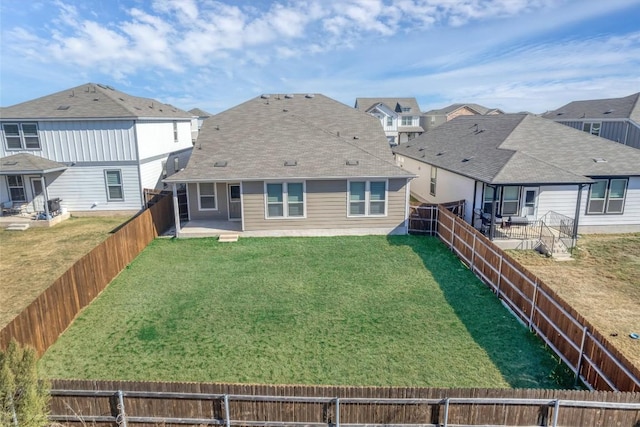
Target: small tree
[[24, 400]]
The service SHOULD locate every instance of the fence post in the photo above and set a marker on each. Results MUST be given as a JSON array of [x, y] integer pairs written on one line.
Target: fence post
[[445, 422], [337, 423], [534, 301], [556, 410], [453, 232], [473, 253], [121, 419], [227, 417], [581, 355], [499, 277]]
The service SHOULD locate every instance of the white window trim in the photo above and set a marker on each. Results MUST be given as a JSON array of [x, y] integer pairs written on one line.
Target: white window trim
[[433, 181], [285, 200], [106, 184], [24, 190], [23, 143], [367, 198], [215, 197], [605, 200], [590, 132]]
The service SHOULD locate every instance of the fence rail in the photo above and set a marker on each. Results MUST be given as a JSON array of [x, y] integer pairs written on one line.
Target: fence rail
[[40, 324], [77, 402], [585, 351]]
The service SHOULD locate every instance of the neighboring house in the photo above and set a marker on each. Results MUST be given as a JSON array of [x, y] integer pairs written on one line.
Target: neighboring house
[[200, 116], [92, 146], [434, 118], [617, 119], [400, 117], [518, 165], [296, 164]]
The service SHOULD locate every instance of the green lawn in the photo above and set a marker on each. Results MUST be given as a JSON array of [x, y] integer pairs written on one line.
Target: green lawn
[[369, 310]]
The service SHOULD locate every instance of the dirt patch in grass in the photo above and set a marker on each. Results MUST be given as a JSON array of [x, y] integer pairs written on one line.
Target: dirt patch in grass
[[31, 260], [602, 283]]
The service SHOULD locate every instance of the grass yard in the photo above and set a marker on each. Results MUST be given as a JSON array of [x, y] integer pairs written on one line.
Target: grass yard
[[602, 283], [371, 310], [31, 260]]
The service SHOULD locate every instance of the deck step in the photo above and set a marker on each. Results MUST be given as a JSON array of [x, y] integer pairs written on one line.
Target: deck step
[[228, 238], [17, 227]]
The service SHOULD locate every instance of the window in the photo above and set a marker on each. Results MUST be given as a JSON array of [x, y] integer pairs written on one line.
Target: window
[[607, 196], [510, 200], [488, 199], [175, 131], [592, 128], [285, 200], [367, 198], [407, 120], [16, 188], [207, 196], [432, 182], [21, 136], [389, 121], [406, 109], [113, 179]]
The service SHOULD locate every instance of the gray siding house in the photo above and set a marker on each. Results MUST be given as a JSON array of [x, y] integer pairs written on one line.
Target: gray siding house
[[293, 164], [616, 119], [91, 146], [519, 165]]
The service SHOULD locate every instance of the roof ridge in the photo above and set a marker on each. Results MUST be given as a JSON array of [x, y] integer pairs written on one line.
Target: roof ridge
[[513, 152], [104, 90]]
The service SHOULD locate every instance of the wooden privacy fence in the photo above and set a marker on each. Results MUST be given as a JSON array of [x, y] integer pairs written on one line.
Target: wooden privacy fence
[[587, 353], [43, 321], [423, 219], [81, 402]]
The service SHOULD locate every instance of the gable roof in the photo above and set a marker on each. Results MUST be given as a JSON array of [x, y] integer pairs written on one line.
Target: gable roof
[[318, 135], [24, 163], [91, 101], [393, 104], [481, 110], [627, 107], [520, 149], [199, 112]]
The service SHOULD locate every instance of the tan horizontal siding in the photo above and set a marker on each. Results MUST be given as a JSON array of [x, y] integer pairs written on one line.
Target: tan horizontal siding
[[326, 208], [221, 199]]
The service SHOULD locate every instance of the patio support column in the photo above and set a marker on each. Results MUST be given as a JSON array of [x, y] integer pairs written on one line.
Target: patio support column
[[176, 209], [492, 221], [45, 194], [577, 216]]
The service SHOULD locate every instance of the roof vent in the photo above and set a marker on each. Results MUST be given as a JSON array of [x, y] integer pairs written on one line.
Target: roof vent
[[559, 113], [288, 96], [284, 110], [356, 137], [609, 111], [96, 99], [600, 160], [421, 149], [63, 107], [222, 164], [353, 162], [109, 87], [102, 86], [466, 159], [264, 96], [9, 163], [121, 99], [440, 153], [291, 163], [309, 95], [138, 108]]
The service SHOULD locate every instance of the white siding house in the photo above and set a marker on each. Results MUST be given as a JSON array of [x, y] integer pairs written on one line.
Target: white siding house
[[525, 169], [400, 117], [108, 147]]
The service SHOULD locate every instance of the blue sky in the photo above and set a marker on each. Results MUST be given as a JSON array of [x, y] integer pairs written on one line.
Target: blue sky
[[517, 55]]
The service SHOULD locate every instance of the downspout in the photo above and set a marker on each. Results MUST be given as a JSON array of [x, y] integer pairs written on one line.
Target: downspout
[[577, 216], [138, 166], [406, 206], [473, 205], [176, 209]]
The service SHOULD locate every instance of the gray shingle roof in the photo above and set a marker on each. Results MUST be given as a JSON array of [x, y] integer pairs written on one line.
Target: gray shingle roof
[[24, 163], [199, 112], [520, 149], [613, 108], [453, 107], [91, 101], [319, 134], [394, 104]]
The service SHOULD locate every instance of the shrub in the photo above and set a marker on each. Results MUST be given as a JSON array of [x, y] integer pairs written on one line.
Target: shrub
[[24, 400]]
